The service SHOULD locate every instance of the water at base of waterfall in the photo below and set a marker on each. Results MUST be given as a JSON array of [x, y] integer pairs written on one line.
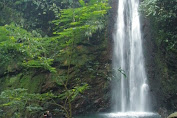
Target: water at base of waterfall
[[123, 115]]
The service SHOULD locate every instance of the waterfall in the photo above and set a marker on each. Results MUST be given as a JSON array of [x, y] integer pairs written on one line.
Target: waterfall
[[130, 92]]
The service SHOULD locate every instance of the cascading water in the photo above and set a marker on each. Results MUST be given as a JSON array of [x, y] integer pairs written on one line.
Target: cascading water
[[130, 92], [130, 89]]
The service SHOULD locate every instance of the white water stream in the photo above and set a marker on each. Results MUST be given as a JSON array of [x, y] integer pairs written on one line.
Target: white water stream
[[130, 95], [130, 92]]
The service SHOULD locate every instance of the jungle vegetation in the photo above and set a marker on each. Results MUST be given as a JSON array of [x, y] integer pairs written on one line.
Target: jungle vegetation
[[163, 19], [42, 36]]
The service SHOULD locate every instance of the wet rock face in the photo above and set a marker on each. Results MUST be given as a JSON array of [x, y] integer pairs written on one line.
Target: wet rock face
[[112, 18], [155, 66], [150, 64], [163, 112], [161, 67]]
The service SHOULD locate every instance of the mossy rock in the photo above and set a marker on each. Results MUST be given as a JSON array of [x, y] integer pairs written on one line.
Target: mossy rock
[[28, 81], [33, 84], [10, 81], [173, 115]]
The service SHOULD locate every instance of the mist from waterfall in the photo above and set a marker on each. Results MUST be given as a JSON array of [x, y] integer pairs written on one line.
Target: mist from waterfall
[[130, 92]]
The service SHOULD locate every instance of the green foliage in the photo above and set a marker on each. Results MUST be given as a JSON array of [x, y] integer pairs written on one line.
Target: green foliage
[[18, 101], [83, 20], [163, 15], [76, 24], [20, 49], [41, 62], [32, 14], [78, 90], [8, 14], [3, 34], [82, 3], [9, 49], [73, 93], [76, 20], [122, 72]]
